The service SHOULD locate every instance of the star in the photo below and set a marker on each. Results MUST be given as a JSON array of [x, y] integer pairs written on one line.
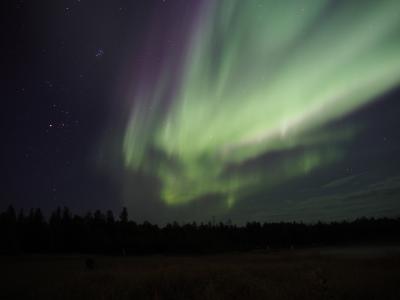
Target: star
[[99, 52], [48, 83], [67, 11]]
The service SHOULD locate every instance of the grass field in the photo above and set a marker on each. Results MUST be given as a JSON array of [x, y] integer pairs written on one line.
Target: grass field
[[299, 274]]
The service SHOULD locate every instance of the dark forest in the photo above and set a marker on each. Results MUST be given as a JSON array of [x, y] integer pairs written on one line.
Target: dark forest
[[103, 233]]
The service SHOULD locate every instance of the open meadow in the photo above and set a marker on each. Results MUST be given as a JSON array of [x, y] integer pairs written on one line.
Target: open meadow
[[345, 273]]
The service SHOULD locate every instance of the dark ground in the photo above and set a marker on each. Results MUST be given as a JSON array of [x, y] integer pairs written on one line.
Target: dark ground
[[329, 273]]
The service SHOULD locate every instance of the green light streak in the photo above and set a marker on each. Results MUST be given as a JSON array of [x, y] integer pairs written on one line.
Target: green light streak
[[262, 77]]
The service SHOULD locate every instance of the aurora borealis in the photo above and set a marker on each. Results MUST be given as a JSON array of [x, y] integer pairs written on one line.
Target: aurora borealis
[[260, 78], [195, 110]]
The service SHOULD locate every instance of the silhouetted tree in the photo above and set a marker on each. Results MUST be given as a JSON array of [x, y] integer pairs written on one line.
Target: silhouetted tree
[[124, 215], [66, 216], [55, 217], [99, 217], [21, 216], [110, 217], [11, 215]]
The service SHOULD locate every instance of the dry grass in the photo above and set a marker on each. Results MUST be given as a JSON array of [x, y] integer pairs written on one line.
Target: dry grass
[[290, 275]]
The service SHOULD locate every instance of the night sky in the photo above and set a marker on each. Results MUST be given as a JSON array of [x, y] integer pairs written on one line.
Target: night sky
[[198, 110]]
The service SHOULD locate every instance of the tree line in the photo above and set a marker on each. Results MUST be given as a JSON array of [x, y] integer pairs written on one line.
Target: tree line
[[103, 233]]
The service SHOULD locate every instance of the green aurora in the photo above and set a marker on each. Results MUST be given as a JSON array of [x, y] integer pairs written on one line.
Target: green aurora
[[261, 78]]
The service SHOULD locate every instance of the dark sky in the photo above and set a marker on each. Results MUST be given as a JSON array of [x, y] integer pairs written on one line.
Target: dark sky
[[63, 64], [69, 68]]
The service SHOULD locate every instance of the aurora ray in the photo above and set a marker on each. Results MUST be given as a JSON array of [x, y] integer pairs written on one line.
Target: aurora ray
[[260, 77]]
